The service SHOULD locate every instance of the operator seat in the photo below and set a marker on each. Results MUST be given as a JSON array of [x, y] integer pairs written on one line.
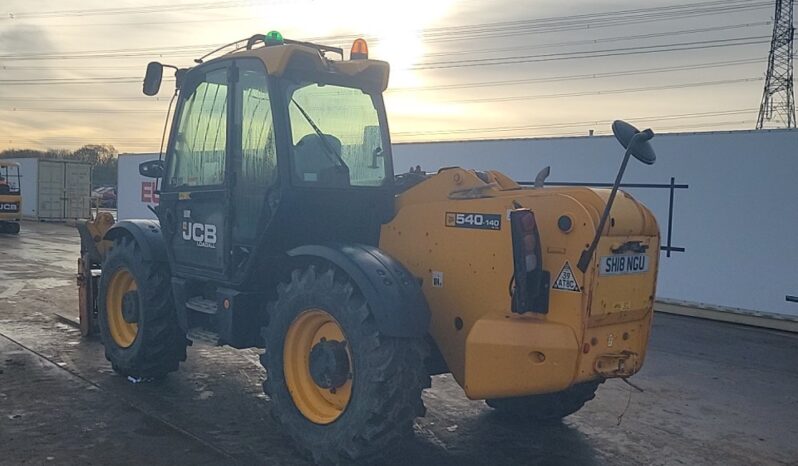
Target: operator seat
[[313, 164]]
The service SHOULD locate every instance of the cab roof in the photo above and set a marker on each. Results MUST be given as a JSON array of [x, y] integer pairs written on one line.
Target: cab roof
[[289, 56]]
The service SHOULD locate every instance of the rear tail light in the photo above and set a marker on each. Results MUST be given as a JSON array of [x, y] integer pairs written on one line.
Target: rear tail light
[[530, 286]]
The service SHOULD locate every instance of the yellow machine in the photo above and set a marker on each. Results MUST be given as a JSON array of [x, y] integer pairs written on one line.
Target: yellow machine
[[10, 198], [282, 225]]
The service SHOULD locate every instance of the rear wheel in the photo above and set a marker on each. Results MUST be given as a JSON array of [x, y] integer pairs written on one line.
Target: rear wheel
[[341, 389], [136, 317], [546, 407], [11, 228]]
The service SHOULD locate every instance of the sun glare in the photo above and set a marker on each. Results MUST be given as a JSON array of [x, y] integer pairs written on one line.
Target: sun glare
[[395, 28]]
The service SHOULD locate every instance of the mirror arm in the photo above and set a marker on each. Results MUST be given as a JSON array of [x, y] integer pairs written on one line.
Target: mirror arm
[[587, 254], [540, 179]]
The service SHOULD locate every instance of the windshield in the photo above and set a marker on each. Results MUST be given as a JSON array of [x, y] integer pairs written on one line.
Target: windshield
[[336, 137], [9, 179]]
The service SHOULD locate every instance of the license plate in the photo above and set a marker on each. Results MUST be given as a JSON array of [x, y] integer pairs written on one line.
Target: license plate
[[624, 264]]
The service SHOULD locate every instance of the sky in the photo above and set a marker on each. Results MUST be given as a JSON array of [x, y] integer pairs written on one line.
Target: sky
[[71, 70]]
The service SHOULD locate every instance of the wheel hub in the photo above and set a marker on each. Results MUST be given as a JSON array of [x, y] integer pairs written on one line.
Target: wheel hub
[[329, 364], [130, 307], [122, 308], [318, 368]]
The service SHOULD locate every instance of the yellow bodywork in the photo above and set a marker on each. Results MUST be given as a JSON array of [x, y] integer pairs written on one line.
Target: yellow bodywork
[[280, 58], [15, 199], [600, 331]]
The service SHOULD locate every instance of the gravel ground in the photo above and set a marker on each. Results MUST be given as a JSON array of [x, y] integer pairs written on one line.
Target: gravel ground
[[714, 393]]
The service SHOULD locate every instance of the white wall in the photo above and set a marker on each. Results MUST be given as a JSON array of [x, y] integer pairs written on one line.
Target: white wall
[[134, 192], [738, 219], [29, 176]]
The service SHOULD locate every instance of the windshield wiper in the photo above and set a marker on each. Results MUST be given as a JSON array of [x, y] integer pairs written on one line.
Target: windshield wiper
[[334, 157]]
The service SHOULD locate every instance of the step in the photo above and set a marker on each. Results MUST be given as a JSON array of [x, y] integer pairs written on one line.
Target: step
[[200, 304]]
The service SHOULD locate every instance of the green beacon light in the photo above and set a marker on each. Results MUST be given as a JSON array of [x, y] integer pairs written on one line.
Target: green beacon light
[[274, 38]]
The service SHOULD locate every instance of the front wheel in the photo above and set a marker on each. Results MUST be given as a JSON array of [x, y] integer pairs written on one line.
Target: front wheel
[[136, 317], [546, 407], [341, 389], [11, 228]]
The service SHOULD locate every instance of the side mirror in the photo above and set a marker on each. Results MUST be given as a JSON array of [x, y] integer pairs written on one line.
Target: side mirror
[[635, 141], [636, 144], [153, 78], [152, 168]]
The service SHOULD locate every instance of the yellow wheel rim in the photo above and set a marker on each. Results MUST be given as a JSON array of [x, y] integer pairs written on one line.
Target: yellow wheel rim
[[123, 332], [318, 404]]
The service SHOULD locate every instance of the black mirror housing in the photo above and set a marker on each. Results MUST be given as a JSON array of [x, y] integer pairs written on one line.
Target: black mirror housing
[[635, 141], [153, 78], [152, 168]]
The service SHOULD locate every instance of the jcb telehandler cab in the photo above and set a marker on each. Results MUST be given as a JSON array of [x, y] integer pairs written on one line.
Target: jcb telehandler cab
[[282, 225]]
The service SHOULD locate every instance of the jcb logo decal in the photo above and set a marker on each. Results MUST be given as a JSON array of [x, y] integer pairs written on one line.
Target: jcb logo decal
[[8, 207], [203, 234]]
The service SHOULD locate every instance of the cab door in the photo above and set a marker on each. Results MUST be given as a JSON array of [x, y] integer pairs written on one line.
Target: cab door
[[195, 197], [254, 189]]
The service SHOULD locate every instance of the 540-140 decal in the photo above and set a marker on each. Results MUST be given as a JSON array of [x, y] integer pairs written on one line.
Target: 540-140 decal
[[474, 220]]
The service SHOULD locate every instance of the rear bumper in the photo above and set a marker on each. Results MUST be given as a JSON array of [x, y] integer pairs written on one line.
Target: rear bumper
[[614, 350], [518, 355]]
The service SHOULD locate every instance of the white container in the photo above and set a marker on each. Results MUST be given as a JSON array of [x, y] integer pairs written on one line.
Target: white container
[[54, 190]]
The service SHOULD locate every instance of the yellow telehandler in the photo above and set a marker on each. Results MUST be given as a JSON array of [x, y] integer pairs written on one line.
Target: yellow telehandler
[[10, 198], [282, 225]]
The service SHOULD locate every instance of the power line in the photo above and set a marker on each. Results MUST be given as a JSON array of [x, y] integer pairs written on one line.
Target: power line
[[62, 81], [582, 22], [458, 101], [84, 99], [573, 123], [573, 77], [82, 110], [480, 31], [601, 40], [683, 46], [673, 47], [659, 129], [190, 50], [83, 140], [605, 92], [163, 8], [444, 33]]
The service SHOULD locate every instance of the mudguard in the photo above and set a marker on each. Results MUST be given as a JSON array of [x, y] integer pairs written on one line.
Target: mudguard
[[147, 234], [393, 294]]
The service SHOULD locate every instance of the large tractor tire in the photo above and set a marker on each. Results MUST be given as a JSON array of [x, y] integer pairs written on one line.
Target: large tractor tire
[[546, 407], [9, 228], [340, 389], [137, 318]]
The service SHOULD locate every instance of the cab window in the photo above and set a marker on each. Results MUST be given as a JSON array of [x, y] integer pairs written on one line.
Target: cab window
[[9, 179], [336, 136], [201, 141], [258, 167]]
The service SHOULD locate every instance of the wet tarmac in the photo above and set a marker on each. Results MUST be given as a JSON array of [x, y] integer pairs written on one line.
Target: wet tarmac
[[714, 393]]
